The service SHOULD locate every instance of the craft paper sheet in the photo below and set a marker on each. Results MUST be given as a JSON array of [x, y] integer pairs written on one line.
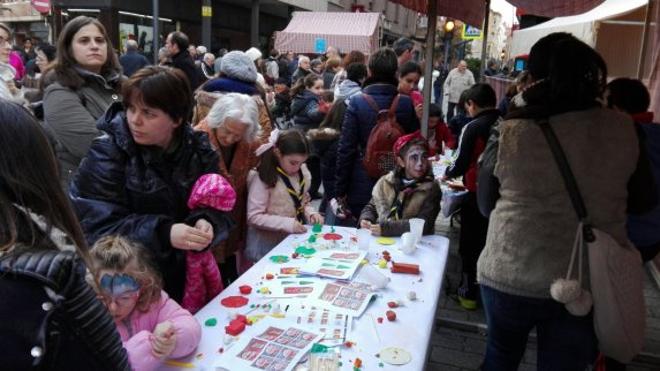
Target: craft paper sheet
[[350, 298], [336, 264], [293, 287], [270, 344], [332, 325]]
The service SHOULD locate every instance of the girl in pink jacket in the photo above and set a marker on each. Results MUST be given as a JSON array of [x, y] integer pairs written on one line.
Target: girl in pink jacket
[[152, 326], [203, 280], [278, 204]]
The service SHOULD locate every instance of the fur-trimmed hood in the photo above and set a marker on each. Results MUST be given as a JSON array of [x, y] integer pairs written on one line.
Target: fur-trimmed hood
[[323, 134]]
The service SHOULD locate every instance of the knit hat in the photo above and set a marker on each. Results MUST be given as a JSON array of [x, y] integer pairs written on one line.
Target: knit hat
[[214, 191], [253, 53], [238, 65]]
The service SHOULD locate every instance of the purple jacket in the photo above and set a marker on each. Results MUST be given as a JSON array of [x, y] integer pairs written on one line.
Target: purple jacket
[[138, 341]]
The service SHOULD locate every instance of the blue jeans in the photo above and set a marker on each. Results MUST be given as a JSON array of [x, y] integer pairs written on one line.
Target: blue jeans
[[565, 342]]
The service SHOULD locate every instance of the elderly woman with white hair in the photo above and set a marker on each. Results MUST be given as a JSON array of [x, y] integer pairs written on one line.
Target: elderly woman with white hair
[[233, 128]]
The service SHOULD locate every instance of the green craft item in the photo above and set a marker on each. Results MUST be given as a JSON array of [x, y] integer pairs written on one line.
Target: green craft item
[[302, 250], [319, 348], [279, 259], [312, 239], [343, 267], [332, 229], [306, 283], [317, 228], [287, 282], [211, 322], [327, 265]]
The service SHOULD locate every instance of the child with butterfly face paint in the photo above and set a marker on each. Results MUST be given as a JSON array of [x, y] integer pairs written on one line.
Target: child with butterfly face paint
[[152, 326], [278, 199], [407, 192]]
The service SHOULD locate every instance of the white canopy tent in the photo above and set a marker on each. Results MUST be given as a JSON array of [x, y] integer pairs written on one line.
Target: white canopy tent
[[583, 26]]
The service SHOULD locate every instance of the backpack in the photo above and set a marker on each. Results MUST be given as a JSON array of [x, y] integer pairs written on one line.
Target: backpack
[[378, 156]]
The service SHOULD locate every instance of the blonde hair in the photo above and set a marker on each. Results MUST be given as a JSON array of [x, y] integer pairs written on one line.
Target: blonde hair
[[123, 255]]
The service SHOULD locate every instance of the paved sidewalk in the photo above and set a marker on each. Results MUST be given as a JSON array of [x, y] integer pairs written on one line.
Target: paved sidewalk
[[459, 341]]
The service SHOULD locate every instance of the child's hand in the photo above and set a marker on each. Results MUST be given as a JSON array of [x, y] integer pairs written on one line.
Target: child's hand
[[419, 110], [164, 340], [375, 230], [299, 228], [316, 219], [365, 224], [185, 237]]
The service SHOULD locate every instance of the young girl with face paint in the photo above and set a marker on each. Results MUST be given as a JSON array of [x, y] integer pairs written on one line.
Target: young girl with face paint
[[152, 326], [278, 200], [409, 191]]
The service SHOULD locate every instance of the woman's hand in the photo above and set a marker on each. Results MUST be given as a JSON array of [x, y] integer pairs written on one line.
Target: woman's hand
[[419, 109], [164, 340], [204, 226], [185, 237], [299, 228], [365, 224], [376, 230], [316, 219]]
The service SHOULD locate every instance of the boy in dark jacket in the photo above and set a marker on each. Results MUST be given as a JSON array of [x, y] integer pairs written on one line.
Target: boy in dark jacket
[[480, 101]]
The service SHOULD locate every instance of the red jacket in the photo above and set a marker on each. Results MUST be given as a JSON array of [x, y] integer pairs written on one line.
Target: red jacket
[[442, 135]]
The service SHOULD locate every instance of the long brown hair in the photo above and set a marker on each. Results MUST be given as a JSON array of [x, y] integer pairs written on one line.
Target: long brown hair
[[304, 83], [289, 142], [29, 178], [65, 61]]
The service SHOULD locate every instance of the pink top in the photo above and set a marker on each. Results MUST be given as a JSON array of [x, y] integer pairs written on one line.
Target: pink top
[[16, 61], [136, 332]]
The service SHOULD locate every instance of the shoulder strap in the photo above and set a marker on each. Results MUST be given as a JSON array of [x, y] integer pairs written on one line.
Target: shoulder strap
[[567, 175], [372, 103], [394, 105]]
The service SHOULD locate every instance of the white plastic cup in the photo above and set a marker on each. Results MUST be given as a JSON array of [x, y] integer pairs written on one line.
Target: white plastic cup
[[417, 228], [364, 238], [408, 243], [369, 274]]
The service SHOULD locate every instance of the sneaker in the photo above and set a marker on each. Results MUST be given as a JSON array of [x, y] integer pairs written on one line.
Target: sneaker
[[464, 299]]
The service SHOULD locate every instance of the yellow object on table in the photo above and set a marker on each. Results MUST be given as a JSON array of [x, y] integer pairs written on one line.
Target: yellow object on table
[[385, 241]]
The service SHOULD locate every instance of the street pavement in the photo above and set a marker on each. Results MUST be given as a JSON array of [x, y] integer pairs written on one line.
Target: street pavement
[[459, 340]]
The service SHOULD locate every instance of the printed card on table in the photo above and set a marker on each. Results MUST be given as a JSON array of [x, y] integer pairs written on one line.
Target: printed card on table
[[270, 345], [293, 287], [351, 298], [332, 325], [337, 264]]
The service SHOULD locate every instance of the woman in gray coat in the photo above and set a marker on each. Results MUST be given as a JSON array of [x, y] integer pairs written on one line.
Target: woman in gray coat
[[83, 83]]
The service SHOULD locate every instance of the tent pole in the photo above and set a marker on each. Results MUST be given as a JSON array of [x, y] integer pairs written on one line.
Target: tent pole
[[484, 46], [432, 14], [645, 39]]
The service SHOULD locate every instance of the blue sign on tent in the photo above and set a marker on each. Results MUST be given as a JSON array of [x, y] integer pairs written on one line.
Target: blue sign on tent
[[320, 45]]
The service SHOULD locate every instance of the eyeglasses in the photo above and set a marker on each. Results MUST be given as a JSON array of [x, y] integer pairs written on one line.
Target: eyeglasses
[[122, 300]]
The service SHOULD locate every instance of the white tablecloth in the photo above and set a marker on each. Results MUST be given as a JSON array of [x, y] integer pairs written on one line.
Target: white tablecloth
[[411, 331]]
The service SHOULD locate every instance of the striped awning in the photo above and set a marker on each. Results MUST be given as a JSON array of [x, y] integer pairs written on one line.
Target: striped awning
[[472, 11], [346, 31]]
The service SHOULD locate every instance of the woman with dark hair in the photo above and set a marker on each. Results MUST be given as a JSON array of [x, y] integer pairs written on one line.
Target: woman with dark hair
[[82, 84], [51, 317], [529, 239], [136, 179], [381, 86]]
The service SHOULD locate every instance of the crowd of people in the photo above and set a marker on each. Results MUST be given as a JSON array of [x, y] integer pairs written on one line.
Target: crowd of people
[[123, 183]]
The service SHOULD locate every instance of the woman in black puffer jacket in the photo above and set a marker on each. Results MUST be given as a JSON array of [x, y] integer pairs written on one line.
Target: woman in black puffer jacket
[[136, 179], [51, 318]]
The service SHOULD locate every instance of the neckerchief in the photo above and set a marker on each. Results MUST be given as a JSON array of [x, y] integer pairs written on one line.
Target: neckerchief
[[407, 187], [297, 197]]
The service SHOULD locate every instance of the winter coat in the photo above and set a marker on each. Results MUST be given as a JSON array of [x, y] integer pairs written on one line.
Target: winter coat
[[470, 146], [305, 110], [456, 83], [643, 230], [140, 191], [434, 77], [420, 201], [532, 226], [328, 77], [49, 309], [346, 89], [299, 74], [137, 331], [351, 177], [271, 213], [441, 134], [72, 114], [214, 89], [133, 61], [185, 63], [236, 173]]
